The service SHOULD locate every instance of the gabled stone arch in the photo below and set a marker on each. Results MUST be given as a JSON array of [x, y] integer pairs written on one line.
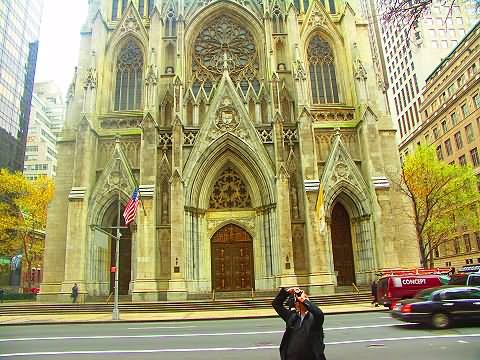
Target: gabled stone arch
[[229, 149], [116, 177], [351, 197], [342, 176]]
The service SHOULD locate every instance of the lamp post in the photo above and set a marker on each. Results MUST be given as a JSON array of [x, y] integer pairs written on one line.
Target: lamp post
[[116, 312]]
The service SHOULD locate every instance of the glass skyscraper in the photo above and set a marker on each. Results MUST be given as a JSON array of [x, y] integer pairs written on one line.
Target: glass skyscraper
[[19, 33]]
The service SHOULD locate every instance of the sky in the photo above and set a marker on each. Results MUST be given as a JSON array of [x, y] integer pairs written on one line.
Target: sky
[[60, 40]]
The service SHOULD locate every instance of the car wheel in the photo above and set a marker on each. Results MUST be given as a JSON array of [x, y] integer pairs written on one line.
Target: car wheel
[[440, 321]]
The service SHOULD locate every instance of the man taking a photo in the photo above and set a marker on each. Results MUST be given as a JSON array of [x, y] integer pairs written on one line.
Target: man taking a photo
[[303, 337]]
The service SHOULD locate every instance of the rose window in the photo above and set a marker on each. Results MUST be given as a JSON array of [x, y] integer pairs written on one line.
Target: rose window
[[224, 43]]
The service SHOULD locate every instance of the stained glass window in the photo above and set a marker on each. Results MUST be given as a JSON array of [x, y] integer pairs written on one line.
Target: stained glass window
[[323, 79], [129, 77], [224, 42]]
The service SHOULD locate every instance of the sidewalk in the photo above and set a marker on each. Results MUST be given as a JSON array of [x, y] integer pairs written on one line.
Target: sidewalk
[[173, 316]]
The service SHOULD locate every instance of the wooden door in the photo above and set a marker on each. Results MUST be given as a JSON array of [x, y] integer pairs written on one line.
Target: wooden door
[[232, 259], [342, 246]]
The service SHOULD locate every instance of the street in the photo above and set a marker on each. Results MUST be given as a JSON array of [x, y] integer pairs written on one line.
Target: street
[[368, 336]]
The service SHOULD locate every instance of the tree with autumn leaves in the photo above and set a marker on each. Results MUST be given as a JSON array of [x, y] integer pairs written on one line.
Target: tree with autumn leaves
[[23, 215], [444, 199]]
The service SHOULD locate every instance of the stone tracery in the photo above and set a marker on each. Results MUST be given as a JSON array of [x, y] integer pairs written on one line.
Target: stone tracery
[[229, 192], [221, 40]]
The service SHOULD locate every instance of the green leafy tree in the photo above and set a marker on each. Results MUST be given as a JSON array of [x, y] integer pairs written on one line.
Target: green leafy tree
[[23, 215], [444, 198]]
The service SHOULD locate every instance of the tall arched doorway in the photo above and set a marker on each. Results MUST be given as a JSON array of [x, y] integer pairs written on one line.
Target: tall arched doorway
[[125, 255], [232, 259], [342, 246]]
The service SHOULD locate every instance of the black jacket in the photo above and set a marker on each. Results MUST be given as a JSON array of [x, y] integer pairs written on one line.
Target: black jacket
[[310, 331]]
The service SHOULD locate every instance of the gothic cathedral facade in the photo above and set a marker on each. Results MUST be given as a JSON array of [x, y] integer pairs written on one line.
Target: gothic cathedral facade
[[258, 134]]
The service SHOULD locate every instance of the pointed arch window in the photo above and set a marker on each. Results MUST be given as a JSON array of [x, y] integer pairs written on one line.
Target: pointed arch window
[[323, 79], [114, 9], [141, 7], [129, 77], [124, 5], [150, 7], [277, 20], [331, 3], [171, 23]]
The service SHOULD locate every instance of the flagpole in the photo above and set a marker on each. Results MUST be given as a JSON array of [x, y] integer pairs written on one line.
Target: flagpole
[[116, 312]]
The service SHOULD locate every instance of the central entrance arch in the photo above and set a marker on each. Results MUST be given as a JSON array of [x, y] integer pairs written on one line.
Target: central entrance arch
[[342, 246], [232, 259]]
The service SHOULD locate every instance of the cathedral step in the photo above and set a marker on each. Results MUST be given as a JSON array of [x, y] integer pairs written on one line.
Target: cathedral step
[[167, 306]]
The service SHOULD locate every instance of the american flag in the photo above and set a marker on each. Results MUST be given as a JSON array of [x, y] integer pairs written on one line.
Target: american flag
[[131, 208]]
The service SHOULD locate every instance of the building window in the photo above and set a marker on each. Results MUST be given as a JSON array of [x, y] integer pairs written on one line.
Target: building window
[[436, 252], [451, 89], [33, 148], [435, 133], [468, 245], [277, 18], [141, 7], [444, 126], [477, 239], [439, 152], [476, 101], [448, 263], [171, 24], [472, 70], [448, 147], [124, 5], [469, 133], [465, 110], [129, 79], [150, 7], [474, 156], [323, 78], [114, 9], [456, 246], [454, 118], [462, 160], [461, 81], [458, 140]]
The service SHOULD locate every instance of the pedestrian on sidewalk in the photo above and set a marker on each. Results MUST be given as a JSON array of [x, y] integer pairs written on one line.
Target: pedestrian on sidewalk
[[74, 294], [374, 293], [303, 336], [2, 292]]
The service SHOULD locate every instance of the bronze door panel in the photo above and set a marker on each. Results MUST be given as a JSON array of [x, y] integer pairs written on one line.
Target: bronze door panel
[[232, 259]]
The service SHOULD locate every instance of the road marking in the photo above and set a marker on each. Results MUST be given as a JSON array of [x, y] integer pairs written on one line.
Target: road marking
[[366, 326], [139, 336], [426, 337], [161, 327], [88, 352], [93, 337]]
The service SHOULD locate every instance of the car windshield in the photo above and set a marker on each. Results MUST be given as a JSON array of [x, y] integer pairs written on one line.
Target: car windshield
[[425, 294]]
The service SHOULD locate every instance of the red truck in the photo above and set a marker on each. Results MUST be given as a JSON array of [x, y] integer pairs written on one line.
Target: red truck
[[393, 288]]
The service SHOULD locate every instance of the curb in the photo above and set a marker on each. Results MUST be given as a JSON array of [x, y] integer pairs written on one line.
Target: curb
[[70, 322]]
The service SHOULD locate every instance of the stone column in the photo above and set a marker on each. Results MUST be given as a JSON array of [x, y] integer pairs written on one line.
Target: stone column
[[286, 266], [77, 231], [176, 285]]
